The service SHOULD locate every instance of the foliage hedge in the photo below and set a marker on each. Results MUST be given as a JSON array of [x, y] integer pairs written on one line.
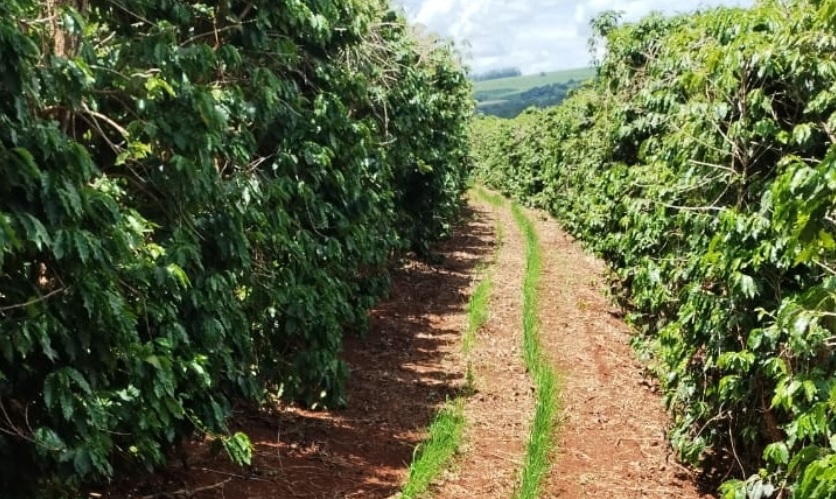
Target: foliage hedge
[[701, 163], [197, 201]]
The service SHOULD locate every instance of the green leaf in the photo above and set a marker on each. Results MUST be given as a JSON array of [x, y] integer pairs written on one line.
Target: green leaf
[[70, 198], [239, 448], [79, 379], [777, 453], [81, 246], [157, 87], [179, 274], [36, 232], [747, 285], [802, 133], [66, 400], [154, 361], [82, 463], [49, 392]]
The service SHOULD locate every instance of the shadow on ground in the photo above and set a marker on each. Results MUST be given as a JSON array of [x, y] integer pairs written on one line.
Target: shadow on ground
[[401, 374]]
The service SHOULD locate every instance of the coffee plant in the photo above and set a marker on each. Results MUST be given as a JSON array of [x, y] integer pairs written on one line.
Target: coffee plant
[[701, 163], [197, 201]]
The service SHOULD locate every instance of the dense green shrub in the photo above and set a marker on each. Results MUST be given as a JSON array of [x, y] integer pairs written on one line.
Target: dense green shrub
[[701, 163], [197, 201]]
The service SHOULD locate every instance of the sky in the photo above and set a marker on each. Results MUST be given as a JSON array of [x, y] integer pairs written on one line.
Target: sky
[[532, 35]]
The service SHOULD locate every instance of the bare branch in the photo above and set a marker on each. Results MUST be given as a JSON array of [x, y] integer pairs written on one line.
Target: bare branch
[[718, 167], [189, 492], [693, 208], [116, 126], [33, 301]]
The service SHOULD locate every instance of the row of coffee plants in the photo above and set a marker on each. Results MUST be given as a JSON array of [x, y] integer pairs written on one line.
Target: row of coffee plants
[[701, 164], [197, 201]]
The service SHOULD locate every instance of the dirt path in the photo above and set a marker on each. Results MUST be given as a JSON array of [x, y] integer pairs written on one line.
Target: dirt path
[[499, 413], [611, 441]]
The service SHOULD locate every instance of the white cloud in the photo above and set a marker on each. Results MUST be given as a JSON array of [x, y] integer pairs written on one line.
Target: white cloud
[[431, 10], [534, 35]]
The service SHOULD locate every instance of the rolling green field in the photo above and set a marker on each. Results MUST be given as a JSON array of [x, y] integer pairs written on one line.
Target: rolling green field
[[505, 88]]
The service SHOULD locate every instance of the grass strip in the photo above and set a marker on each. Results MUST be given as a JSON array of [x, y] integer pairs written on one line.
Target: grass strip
[[495, 200], [477, 312], [433, 455], [542, 437]]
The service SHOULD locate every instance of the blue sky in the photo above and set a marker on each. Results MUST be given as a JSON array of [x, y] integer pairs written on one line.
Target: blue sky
[[533, 35]]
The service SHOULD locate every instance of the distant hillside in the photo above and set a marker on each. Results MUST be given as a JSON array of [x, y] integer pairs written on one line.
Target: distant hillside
[[508, 97]]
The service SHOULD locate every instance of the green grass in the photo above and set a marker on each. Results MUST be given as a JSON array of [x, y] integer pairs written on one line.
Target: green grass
[[542, 437], [477, 312], [495, 200], [433, 455], [503, 88]]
